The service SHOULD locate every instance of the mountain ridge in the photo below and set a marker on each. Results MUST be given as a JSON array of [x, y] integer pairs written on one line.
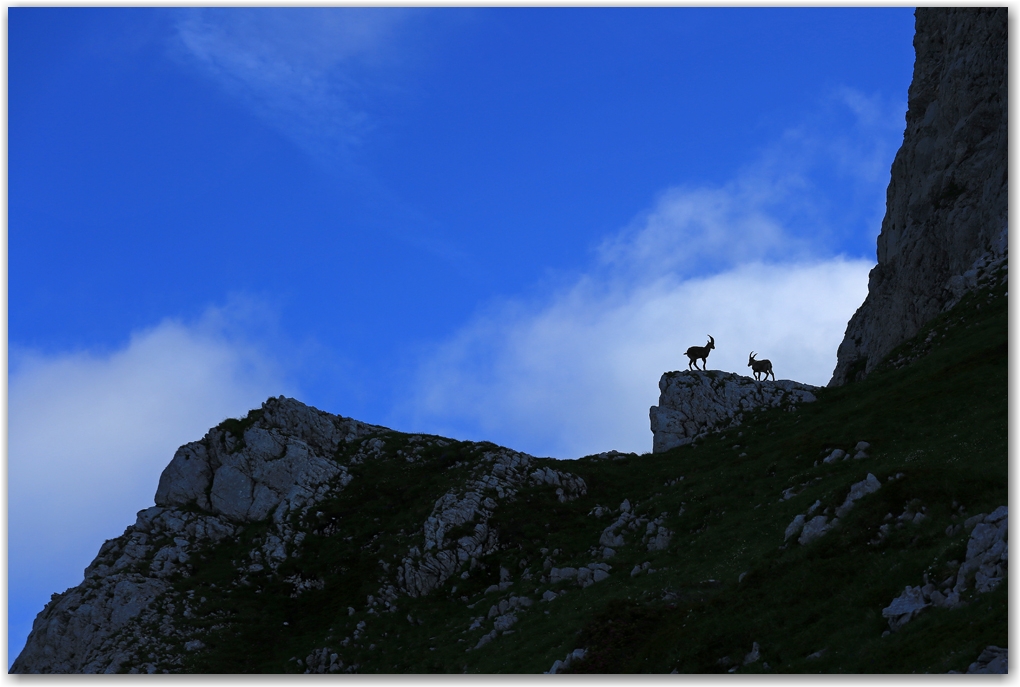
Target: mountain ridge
[[421, 537]]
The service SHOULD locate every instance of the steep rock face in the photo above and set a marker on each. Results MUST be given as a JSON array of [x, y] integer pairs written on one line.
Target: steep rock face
[[691, 404], [946, 206]]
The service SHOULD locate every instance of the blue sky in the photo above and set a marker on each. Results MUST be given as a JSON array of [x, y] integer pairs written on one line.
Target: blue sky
[[498, 224]]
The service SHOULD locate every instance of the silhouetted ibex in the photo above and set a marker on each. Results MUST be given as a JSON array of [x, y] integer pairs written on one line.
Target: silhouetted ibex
[[700, 352], [761, 366]]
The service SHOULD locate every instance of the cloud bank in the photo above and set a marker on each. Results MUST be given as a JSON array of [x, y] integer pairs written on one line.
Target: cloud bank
[[758, 262], [90, 433], [577, 375]]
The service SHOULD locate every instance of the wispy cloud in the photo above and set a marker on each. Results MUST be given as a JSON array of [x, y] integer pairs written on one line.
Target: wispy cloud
[[90, 434], [758, 262], [701, 231], [818, 190], [307, 71]]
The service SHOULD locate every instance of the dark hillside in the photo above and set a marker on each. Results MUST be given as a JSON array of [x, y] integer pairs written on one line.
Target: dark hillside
[[757, 549], [938, 433]]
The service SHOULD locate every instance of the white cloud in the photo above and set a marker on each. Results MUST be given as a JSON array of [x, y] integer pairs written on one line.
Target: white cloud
[[758, 262], [301, 69], [702, 230], [90, 433], [817, 190], [578, 375]]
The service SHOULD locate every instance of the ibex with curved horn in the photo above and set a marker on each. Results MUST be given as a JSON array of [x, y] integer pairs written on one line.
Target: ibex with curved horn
[[760, 367], [696, 353]]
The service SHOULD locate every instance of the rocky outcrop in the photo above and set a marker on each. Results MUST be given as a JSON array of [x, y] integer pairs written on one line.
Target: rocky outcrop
[[561, 666], [985, 567], [78, 631], [692, 404], [279, 460], [994, 660], [946, 206], [817, 526], [268, 471], [421, 572]]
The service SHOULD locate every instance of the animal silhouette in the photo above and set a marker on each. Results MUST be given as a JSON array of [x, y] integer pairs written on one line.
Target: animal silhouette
[[761, 367], [696, 353]]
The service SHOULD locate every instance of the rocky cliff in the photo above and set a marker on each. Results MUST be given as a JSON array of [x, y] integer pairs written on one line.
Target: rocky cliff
[[692, 404], [946, 206]]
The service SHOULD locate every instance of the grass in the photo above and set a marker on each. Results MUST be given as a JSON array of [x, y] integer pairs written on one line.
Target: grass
[[937, 419]]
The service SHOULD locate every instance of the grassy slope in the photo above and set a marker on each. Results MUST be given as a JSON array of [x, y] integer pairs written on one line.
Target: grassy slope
[[941, 421]]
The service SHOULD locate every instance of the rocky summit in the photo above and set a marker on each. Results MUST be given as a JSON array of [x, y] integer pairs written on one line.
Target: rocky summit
[[775, 527]]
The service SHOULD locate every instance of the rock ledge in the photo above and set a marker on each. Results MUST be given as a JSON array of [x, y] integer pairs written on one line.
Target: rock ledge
[[692, 404]]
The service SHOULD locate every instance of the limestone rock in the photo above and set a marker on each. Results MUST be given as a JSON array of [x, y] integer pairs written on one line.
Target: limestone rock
[[904, 607], [857, 492], [946, 206], [692, 404], [795, 527], [557, 575], [504, 622], [657, 537], [575, 655], [986, 565], [612, 536], [77, 631], [837, 454], [814, 528], [501, 472], [993, 660], [485, 639], [660, 540], [810, 530], [987, 559], [283, 463], [568, 486], [325, 660]]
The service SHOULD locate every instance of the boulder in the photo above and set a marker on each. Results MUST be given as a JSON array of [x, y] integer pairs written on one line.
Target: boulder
[[993, 660], [813, 529], [795, 527], [904, 607], [858, 491]]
